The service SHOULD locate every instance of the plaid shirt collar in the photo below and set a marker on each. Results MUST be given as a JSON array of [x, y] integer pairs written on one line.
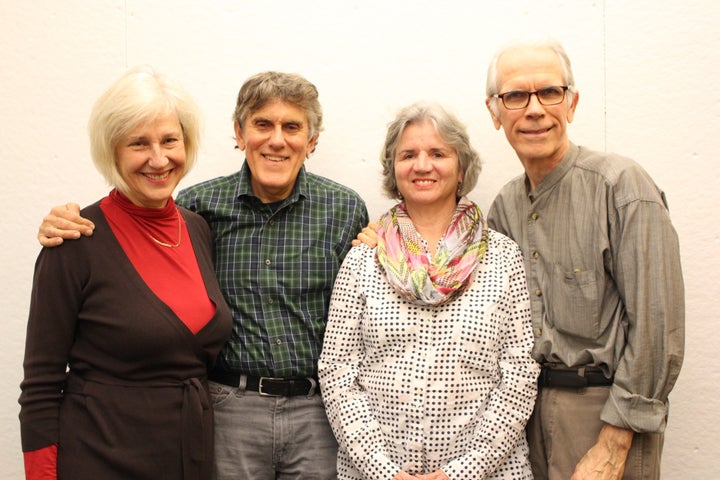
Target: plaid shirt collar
[[244, 188]]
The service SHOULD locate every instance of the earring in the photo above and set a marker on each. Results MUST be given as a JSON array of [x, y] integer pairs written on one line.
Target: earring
[[459, 188]]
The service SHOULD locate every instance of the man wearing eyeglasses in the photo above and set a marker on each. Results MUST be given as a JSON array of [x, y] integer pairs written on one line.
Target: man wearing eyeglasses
[[604, 275]]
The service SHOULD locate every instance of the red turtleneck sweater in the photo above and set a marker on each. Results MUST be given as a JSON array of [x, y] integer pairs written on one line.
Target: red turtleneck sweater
[[171, 271]]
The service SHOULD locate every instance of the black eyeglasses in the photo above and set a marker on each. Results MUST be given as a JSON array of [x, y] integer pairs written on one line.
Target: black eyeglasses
[[517, 99]]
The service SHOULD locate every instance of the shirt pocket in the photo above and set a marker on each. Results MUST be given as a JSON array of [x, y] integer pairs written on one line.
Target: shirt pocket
[[572, 301]]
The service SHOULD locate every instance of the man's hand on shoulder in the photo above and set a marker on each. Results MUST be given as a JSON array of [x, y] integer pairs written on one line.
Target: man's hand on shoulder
[[606, 459], [63, 223], [367, 235]]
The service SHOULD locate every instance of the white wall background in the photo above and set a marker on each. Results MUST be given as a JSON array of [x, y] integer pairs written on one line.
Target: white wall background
[[646, 69]]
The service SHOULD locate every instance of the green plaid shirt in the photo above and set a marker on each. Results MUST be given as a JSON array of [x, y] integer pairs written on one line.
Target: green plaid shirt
[[276, 265]]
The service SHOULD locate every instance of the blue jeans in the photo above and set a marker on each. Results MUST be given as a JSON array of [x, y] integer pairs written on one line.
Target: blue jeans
[[271, 438]]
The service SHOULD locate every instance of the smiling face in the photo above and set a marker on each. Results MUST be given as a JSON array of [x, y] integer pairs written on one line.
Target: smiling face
[[276, 140], [427, 170], [537, 133], [151, 161]]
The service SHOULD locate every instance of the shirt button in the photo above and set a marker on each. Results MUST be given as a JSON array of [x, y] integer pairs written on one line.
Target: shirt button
[[538, 332], [534, 216], [538, 293], [267, 261], [536, 255], [278, 341]]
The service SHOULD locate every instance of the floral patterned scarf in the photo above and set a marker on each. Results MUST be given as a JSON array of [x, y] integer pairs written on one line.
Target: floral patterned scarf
[[402, 253]]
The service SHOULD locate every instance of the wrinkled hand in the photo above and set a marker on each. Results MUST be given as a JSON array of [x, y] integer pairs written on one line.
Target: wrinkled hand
[[367, 235], [63, 222], [606, 459]]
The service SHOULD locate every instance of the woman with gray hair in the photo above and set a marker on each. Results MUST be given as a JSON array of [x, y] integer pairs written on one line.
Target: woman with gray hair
[[425, 368], [124, 324]]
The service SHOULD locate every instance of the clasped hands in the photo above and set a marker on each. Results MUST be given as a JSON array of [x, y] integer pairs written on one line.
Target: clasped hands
[[438, 475]]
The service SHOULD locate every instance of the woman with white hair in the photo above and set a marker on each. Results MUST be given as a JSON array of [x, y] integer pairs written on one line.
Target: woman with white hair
[[124, 324]]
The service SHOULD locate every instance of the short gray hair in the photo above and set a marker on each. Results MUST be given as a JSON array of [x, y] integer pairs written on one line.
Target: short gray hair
[[451, 130], [263, 88], [493, 88]]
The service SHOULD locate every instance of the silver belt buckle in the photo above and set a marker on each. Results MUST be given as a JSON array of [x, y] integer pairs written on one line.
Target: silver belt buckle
[[260, 386]]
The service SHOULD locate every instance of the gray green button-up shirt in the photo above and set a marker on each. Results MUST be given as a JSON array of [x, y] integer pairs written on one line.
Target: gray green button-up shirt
[[276, 264], [604, 276]]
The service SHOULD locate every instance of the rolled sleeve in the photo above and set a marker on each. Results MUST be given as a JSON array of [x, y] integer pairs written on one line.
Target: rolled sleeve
[[649, 279]]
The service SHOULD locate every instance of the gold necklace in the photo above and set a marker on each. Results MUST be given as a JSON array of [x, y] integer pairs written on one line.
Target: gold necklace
[[179, 234]]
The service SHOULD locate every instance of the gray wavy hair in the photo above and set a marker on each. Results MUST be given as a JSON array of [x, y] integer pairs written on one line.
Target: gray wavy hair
[[265, 87], [451, 130]]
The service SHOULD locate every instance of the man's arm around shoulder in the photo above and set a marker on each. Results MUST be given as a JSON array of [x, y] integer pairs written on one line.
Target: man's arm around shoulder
[[63, 223]]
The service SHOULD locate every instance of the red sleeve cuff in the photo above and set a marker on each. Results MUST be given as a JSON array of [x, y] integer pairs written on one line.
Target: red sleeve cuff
[[41, 464]]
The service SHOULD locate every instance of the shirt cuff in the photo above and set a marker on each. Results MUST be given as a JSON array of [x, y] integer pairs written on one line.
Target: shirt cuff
[[380, 467], [634, 412], [41, 464]]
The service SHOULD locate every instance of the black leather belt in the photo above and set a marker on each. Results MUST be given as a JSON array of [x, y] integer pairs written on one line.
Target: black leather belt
[[275, 387], [575, 378]]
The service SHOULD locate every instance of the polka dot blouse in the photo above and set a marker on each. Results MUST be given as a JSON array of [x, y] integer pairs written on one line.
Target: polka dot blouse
[[422, 388]]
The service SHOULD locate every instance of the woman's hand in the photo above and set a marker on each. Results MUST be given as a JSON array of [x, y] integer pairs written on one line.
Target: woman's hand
[[404, 476], [439, 475]]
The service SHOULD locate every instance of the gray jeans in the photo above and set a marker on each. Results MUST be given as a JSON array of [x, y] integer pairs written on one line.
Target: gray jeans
[[566, 423], [271, 438]]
